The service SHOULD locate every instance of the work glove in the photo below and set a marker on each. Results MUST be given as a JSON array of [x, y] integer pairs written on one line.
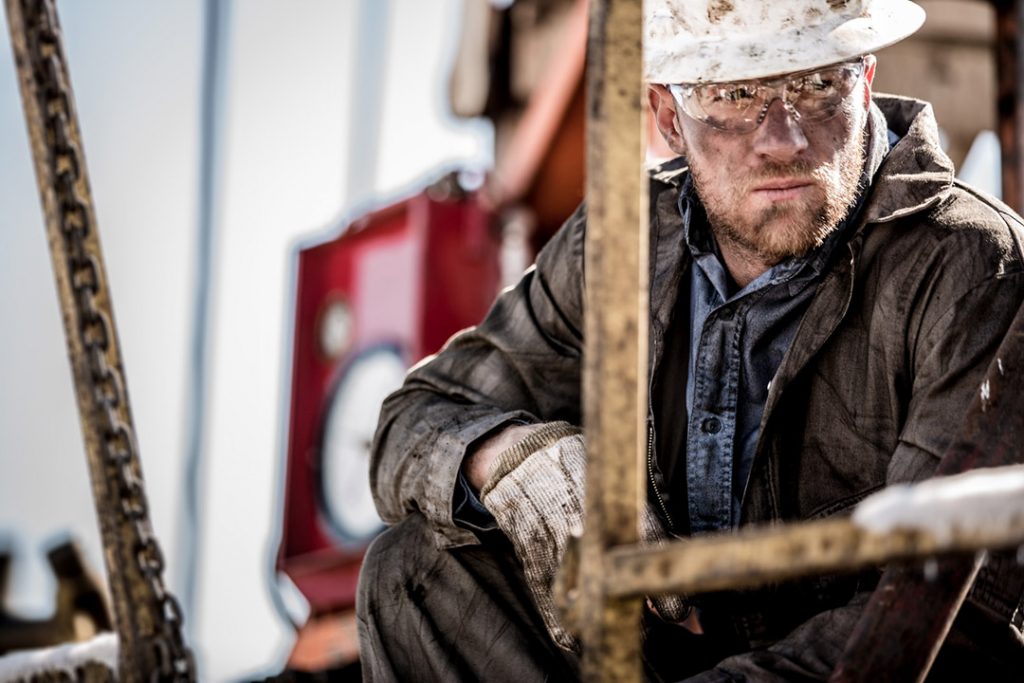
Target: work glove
[[535, 492]]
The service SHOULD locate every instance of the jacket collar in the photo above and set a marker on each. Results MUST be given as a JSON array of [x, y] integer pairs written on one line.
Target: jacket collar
[[917, 173]]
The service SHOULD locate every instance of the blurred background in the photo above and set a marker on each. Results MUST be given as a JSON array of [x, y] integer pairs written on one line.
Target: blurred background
[[296, 201]]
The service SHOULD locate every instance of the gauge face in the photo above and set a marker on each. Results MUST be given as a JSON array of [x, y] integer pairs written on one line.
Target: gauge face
[[350, 422]]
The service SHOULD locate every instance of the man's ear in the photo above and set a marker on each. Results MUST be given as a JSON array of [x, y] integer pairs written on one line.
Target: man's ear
[[664, 107], [869, 76]]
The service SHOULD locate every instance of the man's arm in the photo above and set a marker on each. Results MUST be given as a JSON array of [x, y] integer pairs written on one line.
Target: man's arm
[[520, 365]]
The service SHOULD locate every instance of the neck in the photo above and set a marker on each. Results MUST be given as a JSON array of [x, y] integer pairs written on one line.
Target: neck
[[744, 266]]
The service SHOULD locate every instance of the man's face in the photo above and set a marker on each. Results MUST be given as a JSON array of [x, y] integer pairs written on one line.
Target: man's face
[[779, 190]]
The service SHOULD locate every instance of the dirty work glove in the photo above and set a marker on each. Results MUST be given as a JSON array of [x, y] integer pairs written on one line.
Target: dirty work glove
[[535, 492]]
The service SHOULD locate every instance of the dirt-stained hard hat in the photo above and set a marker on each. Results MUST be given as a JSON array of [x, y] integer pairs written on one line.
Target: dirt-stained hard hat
[[700, 41]]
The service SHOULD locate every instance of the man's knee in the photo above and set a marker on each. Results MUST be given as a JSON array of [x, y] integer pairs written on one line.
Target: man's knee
[[396, 542], [392, 558], [462, 613]]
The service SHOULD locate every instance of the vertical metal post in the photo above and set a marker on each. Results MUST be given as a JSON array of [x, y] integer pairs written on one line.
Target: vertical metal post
[[1010, 98], [369, 71], [211, 114], [615, 357]]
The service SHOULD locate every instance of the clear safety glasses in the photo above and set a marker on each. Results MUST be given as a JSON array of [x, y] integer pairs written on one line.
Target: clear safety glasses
[[740, 107]]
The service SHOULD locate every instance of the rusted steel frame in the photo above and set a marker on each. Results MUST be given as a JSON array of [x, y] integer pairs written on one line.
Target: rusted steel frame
[[1009, 54], [757, 557], [906, 621], [615, 355], [905, 647], [148, 618]]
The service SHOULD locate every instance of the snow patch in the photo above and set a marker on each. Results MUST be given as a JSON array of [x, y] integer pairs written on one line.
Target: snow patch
[[946, 507], [25, 664]]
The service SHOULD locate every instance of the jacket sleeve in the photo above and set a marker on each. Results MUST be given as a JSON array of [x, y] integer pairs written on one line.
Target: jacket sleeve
[[522, 363], [956, 320]]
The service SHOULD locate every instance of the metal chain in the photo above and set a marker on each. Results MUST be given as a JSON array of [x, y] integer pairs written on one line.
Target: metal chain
[[170, 658]]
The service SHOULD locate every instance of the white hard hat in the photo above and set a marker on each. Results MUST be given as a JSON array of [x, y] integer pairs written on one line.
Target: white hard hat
[[700, 41]]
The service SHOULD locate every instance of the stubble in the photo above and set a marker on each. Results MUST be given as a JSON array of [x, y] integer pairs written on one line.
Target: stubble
[[784, 229]]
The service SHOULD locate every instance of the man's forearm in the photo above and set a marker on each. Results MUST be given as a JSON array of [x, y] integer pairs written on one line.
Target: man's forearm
[[480, 458]]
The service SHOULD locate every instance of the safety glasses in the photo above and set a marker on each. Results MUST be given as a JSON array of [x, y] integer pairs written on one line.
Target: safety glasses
[[740, 107]]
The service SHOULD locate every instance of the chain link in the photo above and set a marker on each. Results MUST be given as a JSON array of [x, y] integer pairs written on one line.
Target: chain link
[[173, 660]]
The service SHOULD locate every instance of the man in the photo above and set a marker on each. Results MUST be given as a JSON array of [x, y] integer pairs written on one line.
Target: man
[[825, 298]]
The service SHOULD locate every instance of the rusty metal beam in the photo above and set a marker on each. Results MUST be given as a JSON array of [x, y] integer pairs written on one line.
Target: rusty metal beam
[[757, 557], [1010, 98], [615, 356], [903, 647]]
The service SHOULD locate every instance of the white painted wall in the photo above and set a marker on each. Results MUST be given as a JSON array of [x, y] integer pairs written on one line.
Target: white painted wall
[[136, 72]]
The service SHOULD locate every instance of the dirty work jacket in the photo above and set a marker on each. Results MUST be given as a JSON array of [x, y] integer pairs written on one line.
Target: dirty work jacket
[[882, 367]]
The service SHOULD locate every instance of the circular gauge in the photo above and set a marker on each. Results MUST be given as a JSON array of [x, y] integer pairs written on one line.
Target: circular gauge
[[348, 428]]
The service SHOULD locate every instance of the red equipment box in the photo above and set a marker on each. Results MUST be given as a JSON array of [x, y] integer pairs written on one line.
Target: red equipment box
[[389, 290]]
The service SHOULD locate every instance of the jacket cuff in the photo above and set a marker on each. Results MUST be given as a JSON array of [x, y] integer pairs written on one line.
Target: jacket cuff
[[442, 482], [467, 510]]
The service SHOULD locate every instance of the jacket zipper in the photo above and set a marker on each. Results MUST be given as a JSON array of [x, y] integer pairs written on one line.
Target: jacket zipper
[[656, 328], [650, 476]]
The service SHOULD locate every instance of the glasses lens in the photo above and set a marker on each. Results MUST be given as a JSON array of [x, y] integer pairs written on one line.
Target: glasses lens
[[739, 107], [729, 106], [817, 95]]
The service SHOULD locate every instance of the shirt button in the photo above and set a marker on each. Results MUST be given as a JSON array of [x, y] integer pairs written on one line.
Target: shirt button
[[711, 425]]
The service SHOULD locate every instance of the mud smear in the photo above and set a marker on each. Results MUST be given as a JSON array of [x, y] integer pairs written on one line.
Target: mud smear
[[416, 592], [718, 9], [679, 20]]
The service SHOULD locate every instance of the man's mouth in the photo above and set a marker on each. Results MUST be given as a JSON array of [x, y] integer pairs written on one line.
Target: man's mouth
[[782, 189]]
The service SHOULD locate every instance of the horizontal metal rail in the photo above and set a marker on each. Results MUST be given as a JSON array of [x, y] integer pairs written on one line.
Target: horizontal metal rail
[[757, 557]]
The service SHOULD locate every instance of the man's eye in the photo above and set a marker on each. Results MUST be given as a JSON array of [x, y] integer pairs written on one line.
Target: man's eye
[[817, 83], [735, 95]]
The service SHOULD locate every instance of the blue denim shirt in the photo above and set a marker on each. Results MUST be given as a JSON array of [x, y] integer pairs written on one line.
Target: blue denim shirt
[[737, 341]]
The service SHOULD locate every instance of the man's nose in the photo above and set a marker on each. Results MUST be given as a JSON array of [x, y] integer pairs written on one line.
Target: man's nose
[[779, 136]]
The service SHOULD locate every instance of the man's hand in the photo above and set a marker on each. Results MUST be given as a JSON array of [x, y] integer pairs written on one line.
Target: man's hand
[[534, 489], [533, 484], [477, 465]]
